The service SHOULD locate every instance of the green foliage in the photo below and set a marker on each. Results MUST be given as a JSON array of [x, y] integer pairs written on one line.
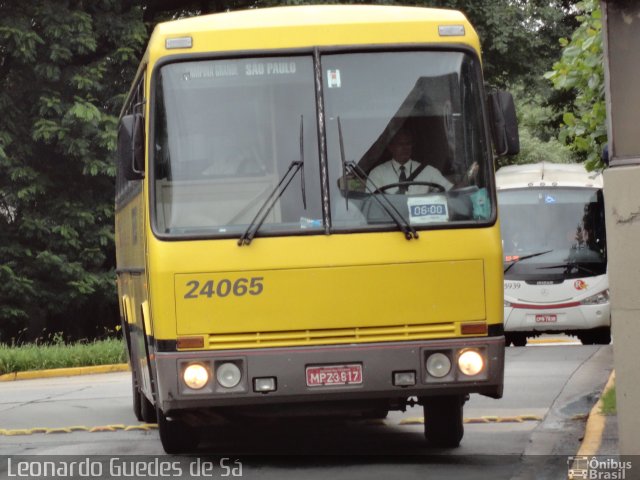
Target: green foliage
[[538, 142], [519, 38], [581, 69], [609, 402], [57, 354], [63, 69]]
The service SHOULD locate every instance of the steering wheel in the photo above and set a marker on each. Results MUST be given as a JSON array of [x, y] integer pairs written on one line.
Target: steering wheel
[[437, 186]]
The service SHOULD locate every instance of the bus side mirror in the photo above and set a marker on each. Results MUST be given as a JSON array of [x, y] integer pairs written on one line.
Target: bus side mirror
[[131, 146], [504, 123]]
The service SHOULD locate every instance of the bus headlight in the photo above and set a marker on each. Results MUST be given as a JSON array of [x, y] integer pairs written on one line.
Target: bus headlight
[[470, 362], [438, 365], [196, 376], [228, 375], [597, 299], [507, 303]]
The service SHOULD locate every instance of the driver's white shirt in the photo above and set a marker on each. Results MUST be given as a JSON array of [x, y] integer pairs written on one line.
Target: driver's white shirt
[[389, 172]]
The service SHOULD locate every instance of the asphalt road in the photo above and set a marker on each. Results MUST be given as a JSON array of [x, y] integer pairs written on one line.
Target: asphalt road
[[549, 391]]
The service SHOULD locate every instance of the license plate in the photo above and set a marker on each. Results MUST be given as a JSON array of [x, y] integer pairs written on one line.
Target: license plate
[[334, 375], [552, 318]]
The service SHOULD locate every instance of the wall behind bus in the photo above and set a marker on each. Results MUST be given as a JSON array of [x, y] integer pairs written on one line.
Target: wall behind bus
[[621, 32]]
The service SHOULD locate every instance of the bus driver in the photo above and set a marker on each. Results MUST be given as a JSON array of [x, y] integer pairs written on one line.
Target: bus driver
[[401, 167]]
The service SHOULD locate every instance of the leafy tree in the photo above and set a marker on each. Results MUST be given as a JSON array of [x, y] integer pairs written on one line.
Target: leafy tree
[[64, 67], [581, 69], [538, 141]]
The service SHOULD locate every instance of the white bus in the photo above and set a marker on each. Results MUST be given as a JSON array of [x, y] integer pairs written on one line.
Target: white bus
[[555, 252]]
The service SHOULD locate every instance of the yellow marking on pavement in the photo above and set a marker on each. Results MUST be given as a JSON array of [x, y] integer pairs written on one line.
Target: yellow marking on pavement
[[58, 430], [595, 424], [509, 420], [76, 428], [37, 430], [551, 340], [476, 420], [145, 427], [154, 426], [105, 428], [64, 372], [515, 419]]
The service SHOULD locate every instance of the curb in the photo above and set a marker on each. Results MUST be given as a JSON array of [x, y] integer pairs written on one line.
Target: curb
[[64, 372], [595, 424]]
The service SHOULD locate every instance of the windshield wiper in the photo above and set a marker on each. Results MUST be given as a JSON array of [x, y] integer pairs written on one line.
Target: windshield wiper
[[276, 193], [569, 266], [389, 208], [531, 255]]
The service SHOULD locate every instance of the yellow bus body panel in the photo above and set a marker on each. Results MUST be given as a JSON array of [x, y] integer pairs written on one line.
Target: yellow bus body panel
[[318, 289], [307, 26], [327, 289]]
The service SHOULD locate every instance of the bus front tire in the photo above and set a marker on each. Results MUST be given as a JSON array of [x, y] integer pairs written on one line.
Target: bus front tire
[[516, 338], [175, 435], [596, 336], [443, 421], [147, 410], [137, 401]]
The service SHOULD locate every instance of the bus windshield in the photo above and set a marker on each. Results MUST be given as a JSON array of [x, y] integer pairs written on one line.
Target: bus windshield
[[435, 97], [226, 131], [553, 233]]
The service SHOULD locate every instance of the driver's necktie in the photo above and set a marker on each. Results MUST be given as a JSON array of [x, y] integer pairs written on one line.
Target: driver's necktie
[[402, 178]]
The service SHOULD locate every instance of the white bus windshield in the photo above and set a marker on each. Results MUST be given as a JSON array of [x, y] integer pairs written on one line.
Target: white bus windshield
[[560, 231]]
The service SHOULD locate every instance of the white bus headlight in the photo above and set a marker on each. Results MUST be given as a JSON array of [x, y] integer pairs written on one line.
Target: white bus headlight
[[597, 299], [438, 365], [470, 362], [507, 303], [196, 376], [228, 375]]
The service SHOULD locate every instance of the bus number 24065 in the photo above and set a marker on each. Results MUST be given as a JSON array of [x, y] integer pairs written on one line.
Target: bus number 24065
[[225, 287]]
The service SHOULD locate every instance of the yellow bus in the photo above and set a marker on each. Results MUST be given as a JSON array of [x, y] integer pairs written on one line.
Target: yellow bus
[[263, 266]]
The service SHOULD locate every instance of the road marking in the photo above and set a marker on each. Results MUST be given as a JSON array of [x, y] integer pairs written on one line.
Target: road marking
[[595, 424], [488, 419], [553, 341], [154, 426], [98, 429], [64, 372]]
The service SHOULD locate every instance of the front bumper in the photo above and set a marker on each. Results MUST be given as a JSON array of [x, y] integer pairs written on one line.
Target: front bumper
[[583, 317], [379, 361]]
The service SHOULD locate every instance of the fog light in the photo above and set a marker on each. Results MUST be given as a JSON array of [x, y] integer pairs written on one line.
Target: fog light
[[228, 375], [438, 365], [404, 379], [196, 376], [470, 362], [265, 384]]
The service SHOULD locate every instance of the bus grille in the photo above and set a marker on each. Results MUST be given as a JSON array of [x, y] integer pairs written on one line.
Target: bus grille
[[297, 338]]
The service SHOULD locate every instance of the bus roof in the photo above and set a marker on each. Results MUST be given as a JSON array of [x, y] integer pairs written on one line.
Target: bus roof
[[545, 174], [308, 26]]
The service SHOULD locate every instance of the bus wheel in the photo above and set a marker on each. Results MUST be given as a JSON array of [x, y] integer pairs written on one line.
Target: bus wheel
[[137, 401], [147, 410], [443, 422], [377, 414], [596, 336], [175, 435], [517, 339]]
